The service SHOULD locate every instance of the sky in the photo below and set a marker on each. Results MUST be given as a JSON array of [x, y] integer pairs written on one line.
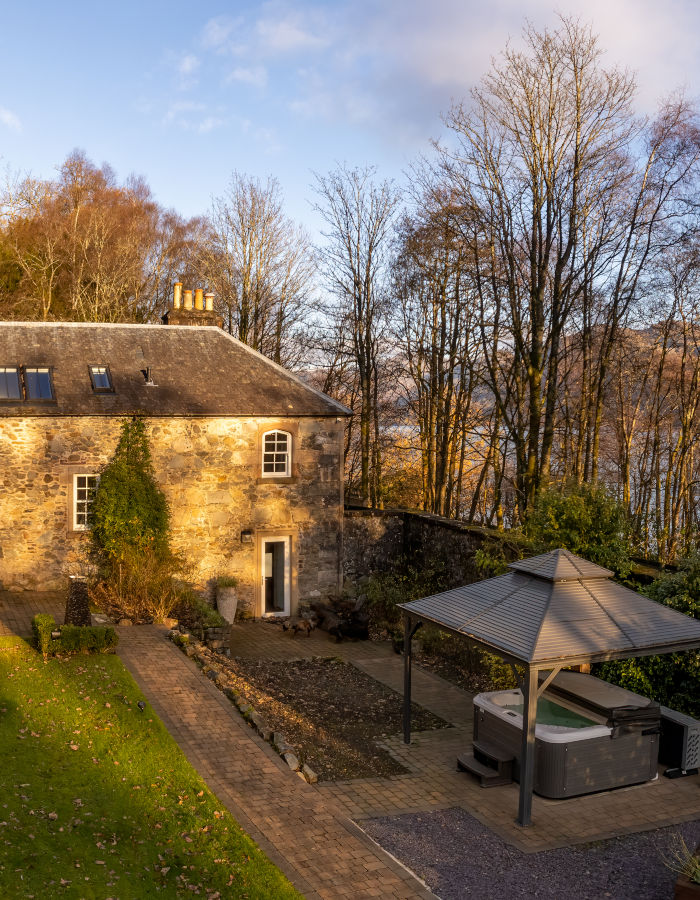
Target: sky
[[183, 93]]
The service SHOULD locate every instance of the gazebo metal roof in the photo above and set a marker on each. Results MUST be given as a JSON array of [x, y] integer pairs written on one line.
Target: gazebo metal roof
[[547, 612], [558, 608]]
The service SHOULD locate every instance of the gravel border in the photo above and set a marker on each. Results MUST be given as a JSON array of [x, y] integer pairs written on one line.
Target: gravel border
[[458, 857]]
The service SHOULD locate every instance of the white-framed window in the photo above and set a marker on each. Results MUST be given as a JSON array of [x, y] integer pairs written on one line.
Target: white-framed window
[[277, 454], [84, 487]]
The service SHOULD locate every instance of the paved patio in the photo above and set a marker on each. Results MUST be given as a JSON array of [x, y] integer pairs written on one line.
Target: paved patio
[[433, 781], [293, 821]]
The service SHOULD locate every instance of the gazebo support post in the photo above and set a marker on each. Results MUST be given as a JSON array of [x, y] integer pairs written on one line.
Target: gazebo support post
[[409, 629], [527, 754]]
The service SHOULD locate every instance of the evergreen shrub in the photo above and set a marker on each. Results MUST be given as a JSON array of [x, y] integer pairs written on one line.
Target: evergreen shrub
[[73, 638], [672, 679], [130, 524], [585, 519]]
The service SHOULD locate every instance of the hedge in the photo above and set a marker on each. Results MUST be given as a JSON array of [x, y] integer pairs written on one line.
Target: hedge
[[73, 638]]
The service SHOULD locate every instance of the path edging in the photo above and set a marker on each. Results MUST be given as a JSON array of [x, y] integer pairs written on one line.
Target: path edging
[[216, 672]]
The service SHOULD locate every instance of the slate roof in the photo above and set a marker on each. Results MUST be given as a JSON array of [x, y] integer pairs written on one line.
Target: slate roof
[[196, 370], [558, 607]]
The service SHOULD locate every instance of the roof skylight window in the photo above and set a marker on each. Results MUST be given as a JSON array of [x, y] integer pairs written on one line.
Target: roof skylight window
[[101, 379], [10, 388], [37, 383]]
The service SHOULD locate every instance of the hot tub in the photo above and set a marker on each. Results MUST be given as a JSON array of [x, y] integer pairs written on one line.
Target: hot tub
[[579, 748]]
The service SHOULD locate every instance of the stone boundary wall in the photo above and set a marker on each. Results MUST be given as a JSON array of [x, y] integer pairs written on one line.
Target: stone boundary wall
[[377, 540]]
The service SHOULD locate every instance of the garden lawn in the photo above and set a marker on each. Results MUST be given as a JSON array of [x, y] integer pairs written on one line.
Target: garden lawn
[[97, 800]]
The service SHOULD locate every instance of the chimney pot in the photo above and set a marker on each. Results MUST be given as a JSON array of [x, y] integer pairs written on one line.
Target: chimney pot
[[177, 294], [199, 299], [209, 301], [188, 300]]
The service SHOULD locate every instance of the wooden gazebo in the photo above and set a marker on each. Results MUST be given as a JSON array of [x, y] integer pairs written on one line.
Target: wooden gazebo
[[548, 612]]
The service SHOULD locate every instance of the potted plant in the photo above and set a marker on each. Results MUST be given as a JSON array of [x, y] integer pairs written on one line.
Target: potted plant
[[227, 597]]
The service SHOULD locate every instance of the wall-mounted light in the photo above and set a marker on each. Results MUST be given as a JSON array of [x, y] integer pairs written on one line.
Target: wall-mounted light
[[246, 537]]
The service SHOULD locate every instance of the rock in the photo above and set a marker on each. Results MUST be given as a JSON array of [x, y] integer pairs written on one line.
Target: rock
[[261, 725], [217, 644], [124, 622], [212, 674], [279, 741], [101, 619], [221, 679], [170, 623], [232, 694], [309, 774], [291, 760], [189, 650]]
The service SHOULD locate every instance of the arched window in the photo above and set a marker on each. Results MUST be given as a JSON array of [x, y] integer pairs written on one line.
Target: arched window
[[277, 454]]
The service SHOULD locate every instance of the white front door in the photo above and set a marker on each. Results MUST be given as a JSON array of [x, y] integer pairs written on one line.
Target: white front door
[[276, 576]]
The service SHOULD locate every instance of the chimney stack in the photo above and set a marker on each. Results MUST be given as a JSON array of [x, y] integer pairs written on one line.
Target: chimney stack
[[185, 312]]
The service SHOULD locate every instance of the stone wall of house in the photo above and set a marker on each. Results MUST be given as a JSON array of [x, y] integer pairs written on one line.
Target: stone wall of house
[[210, 471], [378, 541]]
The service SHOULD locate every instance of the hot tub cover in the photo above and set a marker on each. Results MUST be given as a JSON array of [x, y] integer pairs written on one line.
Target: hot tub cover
[[558, 607]]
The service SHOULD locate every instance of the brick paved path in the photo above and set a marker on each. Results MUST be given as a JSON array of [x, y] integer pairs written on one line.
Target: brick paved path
[[302, 829], [18, 610]]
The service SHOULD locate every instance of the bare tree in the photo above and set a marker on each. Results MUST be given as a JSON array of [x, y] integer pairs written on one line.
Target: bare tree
[[541, 149], [260, 265], [359, 213], [438, 338]]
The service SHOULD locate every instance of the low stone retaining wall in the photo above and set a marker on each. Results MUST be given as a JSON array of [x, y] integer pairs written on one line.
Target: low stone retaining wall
[[214, 668]]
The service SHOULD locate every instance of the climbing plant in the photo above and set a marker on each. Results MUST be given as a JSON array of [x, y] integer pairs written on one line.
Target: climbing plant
[[130, 525], [130, 512]]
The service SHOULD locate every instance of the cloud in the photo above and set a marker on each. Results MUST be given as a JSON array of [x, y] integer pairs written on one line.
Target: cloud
[[10, 120], [217, 32], [391, 68], [287, 36], [255, 75], [189, 115], [180, 107], [188, 65], [209, 123]]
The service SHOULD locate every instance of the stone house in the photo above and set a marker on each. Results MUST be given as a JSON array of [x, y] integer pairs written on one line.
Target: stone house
[[250, 457]]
